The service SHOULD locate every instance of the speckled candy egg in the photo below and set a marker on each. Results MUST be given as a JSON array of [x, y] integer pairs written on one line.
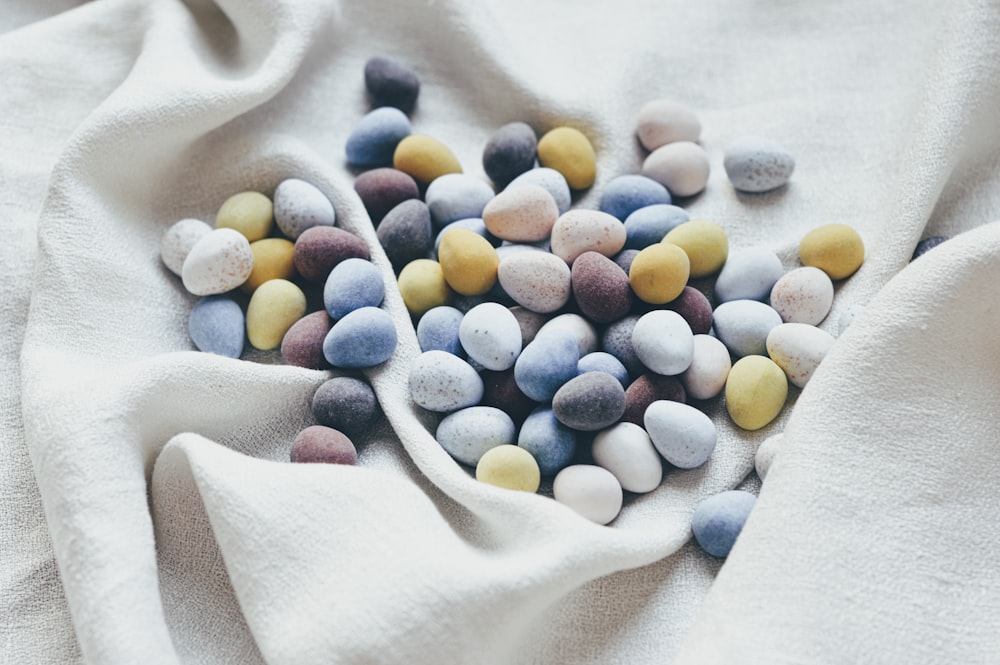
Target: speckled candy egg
[[582, 330], [178, 240], [551, 443], [601, 289], [216, 325], [323, 445], [748, 274], [685, 436], [219, 262], [589, 402], [440, 381], [491, 336], [551, 181], [579, 231], [743, 326], [525, 213], [682, 167], [365, 337], [766, 453], [302, 345], [624, 194], [649, 225], [798, 349], [664, 121], [374, 139], [351, 285], [710, 364], [663, 341], [756, 164], [718, 520], [406, 233], [456, 196], [538, 281], [383, 189], [346, 404], [320, 248], [546, 364], [299, 205], [803, 295], [468, 433]]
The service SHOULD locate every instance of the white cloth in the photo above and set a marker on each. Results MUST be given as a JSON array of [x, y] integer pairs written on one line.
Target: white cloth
[[167, 526]]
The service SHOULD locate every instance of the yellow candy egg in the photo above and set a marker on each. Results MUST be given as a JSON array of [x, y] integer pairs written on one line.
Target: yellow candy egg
[[568, 151], [273, 258], [659, 273], [250, 213], [510, 467], [836, 249], [274, 308], [425, 158], [468, 261], [423, 286], [756, 389], [705, 243]]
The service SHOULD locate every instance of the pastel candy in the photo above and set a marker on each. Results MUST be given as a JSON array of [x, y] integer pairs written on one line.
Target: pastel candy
[[755, 164], [422, 286], [663, 341], [591, 491], [406, 232], [376, 137], [599, 361], [659, 273], [579, 231], [647, 389], [617, 340], [803, 295], [382, 189], [649, 225], [299, 205], [582, 330], [756, 389], [530, 322], [663, 121], [317, 444], [274, 307], [743, 326], [216, 325], [509, 467], [546, 364], [346, 404], [469, 262], [468, 433], [474, 224], [438, 330], [551, 443], [178, 240], [706, 376], [766, 453], [749, 274], [425, 158], [568, 151], [302, 345], [705, 243], [682, 434], [695, 307], [456, 196], [440, 381], [847, 317], [682, 167], [718, 520], [798, 349], [250, 213], [836, 249], [538, 281], [627, 452], [352, 284], [273, 258], [589, 402], [525, 213], [509, 152], [601, 289], [219, 262], [624, 194], [365, 337], [551, 181], [500, 390], [319, 249], [391, 82], [491, 336], [927, 244], [625, 258]]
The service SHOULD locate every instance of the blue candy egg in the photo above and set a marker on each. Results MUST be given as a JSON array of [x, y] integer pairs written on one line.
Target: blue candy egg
[[647, 226], [599, 361], [456, 196], [364, 338], [375, 137], [551, 443], [437, 330], [547, 363], [352, 284], [718, 520], [625, 194], [217, 325]]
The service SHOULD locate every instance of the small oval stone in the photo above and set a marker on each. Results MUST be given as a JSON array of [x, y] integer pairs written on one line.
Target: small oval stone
[[442, 382], [491, 336], [501, 391], [926, 245], [836, 249], [625, 258], [346, 404], [250, 213], [391, 82], [273, 258], [302, 345], [659, 273], [382, 189], [579, 231], [590, 490], [766, 453], [718, 520], [474, 224], [756, 389], [509, 467], [425, 158], [664, 121], [352, 284], [647, 389], [422, 286], [510, 152], [551, 181], [743, 326], [456, 196], [468, 433], [178, 240], [323, 445], [602, 291], [216, 325], [627, 452], [374, 139], [599, 361], [568, 151], [530, 322], [219, 262], [710, 364], [469, 262], [756, 164], [274, 308], [684, 435], [299, 205], [624, 194], [438, 330], [705, 243], [406, 233], [617, 340], [749, 274], [319, 249], [581, 329], [546, 364], [682, 167], [525, 213], [648, 226], [663, 341], [798, 349], [803, 295], [589, 402], [551, 443], [538, 281], [695, 307], [365, 337]]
